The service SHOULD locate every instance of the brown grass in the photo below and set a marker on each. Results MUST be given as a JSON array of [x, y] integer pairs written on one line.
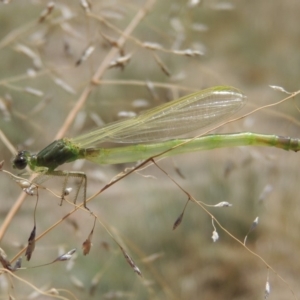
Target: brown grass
[[62, 71]]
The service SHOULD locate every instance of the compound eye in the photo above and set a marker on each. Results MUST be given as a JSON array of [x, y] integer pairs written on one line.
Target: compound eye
[[20, 162]]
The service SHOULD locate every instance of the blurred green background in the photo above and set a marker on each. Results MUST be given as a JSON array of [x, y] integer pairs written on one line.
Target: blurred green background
[[247, 44]]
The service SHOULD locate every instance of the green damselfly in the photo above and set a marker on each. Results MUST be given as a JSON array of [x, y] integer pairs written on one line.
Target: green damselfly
[[153, 132]]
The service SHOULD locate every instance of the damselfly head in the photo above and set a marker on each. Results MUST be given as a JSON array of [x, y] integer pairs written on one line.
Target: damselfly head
[[21, 160]]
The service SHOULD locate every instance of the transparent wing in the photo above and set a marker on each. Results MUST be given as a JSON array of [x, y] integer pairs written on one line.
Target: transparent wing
[[170, 120]]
